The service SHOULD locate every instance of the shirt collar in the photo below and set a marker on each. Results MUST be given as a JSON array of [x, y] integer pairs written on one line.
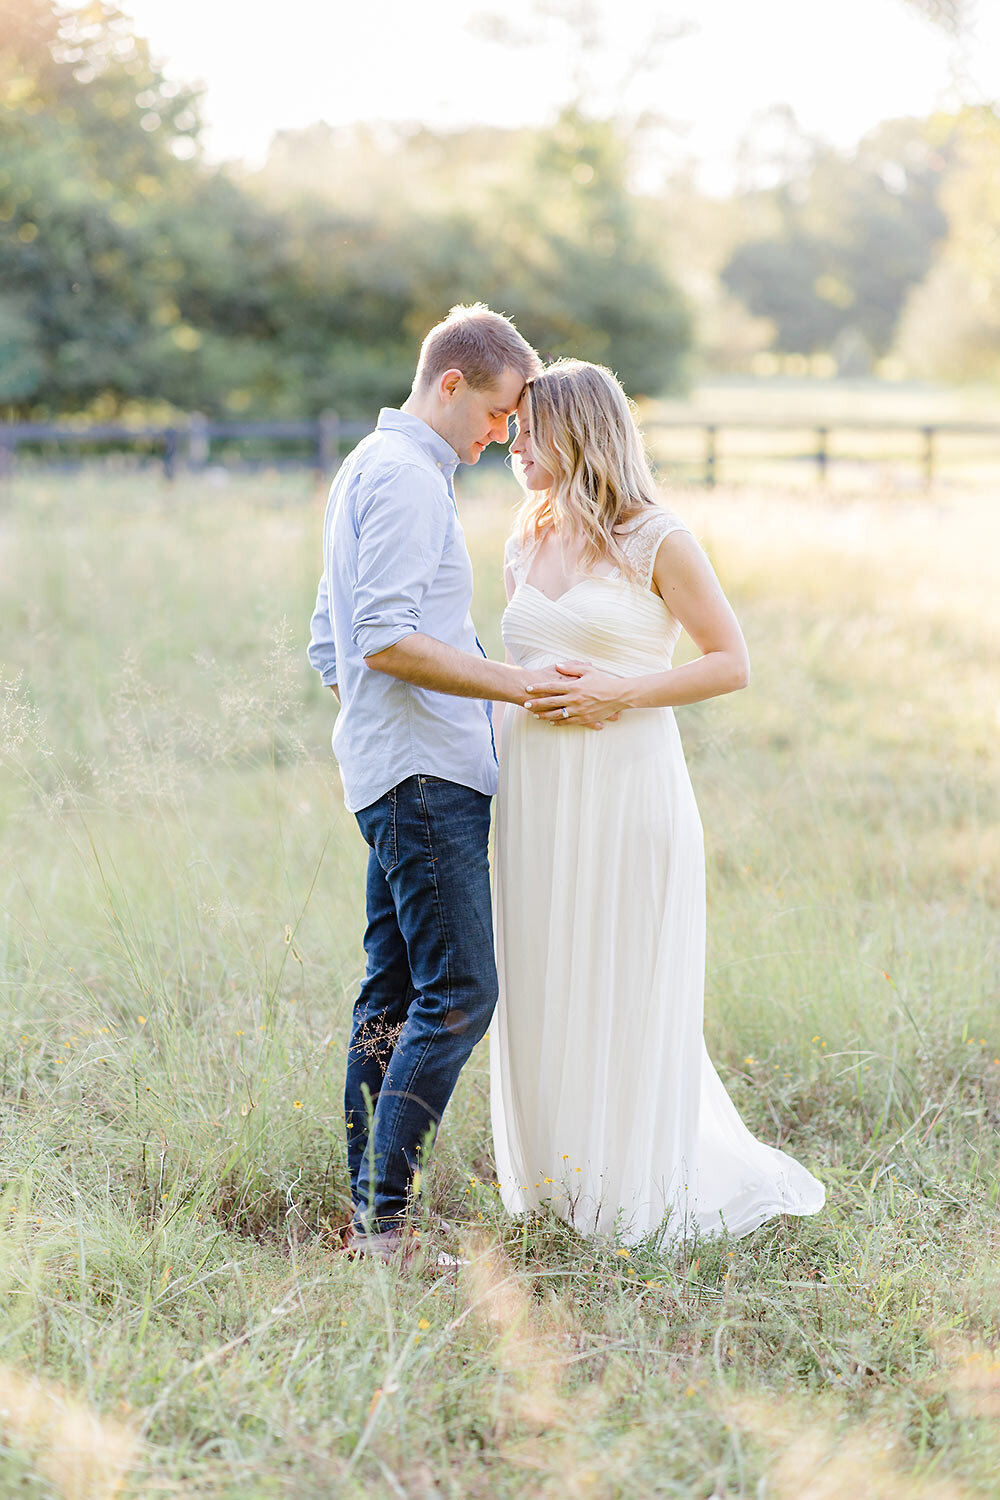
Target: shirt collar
[[443, 454]]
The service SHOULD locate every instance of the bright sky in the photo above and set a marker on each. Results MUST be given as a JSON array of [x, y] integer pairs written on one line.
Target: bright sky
[[842, 65]]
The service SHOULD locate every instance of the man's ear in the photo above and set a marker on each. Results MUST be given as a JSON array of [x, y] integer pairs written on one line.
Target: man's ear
[[449, 384]]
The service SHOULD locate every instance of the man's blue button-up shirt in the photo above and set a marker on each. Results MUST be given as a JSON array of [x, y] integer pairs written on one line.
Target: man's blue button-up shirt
[[395, 562]]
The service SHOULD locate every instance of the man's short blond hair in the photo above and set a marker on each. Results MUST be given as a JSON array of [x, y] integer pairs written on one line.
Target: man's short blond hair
[[479, 342]]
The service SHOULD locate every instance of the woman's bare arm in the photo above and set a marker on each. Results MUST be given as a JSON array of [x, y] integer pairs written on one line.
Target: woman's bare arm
[[687, 583]]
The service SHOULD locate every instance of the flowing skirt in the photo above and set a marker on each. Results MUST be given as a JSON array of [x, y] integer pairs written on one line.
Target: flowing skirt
[[605, 1104]]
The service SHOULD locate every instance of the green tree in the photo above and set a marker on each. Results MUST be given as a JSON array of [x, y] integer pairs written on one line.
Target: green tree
[[852, 236], [951, 326], [134, 276], [539, 223], [91, 136]]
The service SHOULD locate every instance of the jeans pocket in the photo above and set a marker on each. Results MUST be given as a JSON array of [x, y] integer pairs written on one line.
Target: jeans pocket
[[378, 825]]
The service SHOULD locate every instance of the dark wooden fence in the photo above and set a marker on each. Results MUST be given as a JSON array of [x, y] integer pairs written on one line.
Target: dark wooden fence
[[193, 446], [320, 442], [823, 450]]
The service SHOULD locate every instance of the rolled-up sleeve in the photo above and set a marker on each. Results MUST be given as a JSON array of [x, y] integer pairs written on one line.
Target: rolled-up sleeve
[[403, 519], [322, 650]]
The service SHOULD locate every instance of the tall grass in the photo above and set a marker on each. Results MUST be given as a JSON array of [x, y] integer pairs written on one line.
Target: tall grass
[[181, 919]]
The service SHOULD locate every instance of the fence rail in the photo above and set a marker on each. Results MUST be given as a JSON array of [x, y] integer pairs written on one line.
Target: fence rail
[[187, 446], [318, 442], [822, 454]]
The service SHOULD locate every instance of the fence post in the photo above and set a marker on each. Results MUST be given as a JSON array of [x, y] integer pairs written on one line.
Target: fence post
[[197, 440], [8, 453], [710, 432], [822, 456], [169, 452], [328, 442], [928, 456]]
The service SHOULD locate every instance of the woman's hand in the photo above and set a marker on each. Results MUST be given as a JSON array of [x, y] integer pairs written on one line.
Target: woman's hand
[[589, 700]]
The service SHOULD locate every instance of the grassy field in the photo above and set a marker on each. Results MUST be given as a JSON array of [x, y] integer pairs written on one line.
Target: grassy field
[[181, 911]]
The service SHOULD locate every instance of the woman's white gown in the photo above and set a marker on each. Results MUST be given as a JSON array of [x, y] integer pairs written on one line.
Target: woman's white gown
[[604, 1101]]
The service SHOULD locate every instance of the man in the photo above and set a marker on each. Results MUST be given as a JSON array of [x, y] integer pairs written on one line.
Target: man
[[393, 637]]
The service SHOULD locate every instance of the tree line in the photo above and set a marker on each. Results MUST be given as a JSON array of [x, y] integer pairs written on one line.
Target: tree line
[[135, 277]]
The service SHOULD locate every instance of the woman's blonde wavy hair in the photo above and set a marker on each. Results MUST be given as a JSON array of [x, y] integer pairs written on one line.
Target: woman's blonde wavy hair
[[584, 433]]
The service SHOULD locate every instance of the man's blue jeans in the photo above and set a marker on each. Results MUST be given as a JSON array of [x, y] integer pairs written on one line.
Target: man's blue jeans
[[430, 985]]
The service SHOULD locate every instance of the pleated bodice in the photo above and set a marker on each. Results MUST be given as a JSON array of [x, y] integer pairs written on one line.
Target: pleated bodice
[[613, 623]]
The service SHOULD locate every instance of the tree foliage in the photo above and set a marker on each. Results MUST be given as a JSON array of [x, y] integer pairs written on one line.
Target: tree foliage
[[90, 139], [848, 238], [134, 277], [132, 274], [951, 325]]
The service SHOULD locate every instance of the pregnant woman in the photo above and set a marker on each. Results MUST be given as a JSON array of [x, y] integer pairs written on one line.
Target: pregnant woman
[[605, 1103]]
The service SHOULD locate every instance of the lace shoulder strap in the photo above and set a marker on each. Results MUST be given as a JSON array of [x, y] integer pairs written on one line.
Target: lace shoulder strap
[[517, 558], [642, 540]]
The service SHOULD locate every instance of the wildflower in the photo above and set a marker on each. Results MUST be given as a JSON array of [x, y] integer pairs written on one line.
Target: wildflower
[[141, 1020], [239, 1033], [424, 1324], [749, 1059], [626, 1254], [296, 1103]]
